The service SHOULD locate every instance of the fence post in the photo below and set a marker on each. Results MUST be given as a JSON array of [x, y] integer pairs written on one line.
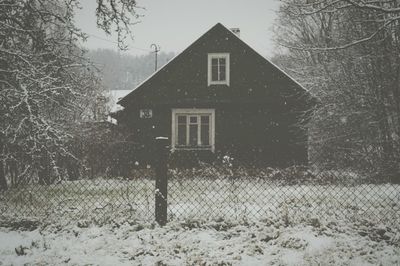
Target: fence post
[[161, 156]]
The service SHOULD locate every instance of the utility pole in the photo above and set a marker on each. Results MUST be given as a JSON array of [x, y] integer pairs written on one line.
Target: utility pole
[[156, 50]]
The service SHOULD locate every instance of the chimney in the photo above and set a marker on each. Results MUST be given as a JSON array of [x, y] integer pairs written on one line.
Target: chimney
[[236, 31]]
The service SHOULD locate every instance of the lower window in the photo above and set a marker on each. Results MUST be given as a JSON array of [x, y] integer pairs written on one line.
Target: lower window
[[193, 129]]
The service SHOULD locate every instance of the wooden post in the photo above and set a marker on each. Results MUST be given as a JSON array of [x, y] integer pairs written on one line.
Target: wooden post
[[161, 156]]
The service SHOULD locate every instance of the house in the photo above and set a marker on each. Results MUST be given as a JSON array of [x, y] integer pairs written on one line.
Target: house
[[219, 96]]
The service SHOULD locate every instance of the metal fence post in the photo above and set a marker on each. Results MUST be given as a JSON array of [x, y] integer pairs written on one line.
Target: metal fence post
[[161, 180]]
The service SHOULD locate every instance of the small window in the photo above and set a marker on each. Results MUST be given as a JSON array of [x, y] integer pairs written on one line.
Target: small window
[[218, 69]]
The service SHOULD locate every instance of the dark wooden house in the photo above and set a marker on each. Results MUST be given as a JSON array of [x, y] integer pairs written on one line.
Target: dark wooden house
[[219, 96]]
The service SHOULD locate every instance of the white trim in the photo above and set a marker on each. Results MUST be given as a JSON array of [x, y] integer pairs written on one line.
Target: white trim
[[227, 69], [184, 111]]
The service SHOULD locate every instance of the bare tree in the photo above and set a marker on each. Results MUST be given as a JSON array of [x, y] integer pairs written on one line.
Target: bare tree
[[385, 14], [346, 52], [45, 80]]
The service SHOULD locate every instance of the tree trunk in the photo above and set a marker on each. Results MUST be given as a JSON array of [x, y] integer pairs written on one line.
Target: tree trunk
[[3, 181]]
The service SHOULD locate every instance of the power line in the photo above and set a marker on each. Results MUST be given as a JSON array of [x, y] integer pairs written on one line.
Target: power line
[[129, 46]]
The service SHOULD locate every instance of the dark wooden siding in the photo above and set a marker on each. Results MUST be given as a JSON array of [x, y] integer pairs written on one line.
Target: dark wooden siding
[[252, 134], [184, 80], [256, 116]]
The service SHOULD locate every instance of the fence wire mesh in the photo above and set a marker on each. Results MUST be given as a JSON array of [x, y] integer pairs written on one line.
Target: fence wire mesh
[[296, 194], [100, 199], [212, 191]]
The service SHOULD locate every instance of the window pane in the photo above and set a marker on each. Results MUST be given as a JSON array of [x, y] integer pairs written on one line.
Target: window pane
[[193, 135], [214, 73], [222, 61], [205, 119], [214, 61], [193, 120], [222, 72], [205, 133], [181, 119], [181, 135]]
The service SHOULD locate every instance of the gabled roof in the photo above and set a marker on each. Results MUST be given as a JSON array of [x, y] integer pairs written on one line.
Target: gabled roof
[[218, 28]]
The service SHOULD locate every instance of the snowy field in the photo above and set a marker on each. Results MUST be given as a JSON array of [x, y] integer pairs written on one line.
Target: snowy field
[[266, 242], [212, 222]]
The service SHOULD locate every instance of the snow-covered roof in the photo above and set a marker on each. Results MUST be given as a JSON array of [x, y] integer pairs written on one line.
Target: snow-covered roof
[[115, 96]]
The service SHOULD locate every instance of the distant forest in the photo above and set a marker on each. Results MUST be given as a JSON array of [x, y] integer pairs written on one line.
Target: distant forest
[[121, 71]]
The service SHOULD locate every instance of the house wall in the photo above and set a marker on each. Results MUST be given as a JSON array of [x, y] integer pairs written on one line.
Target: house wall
[[254, 135], [256, 115]]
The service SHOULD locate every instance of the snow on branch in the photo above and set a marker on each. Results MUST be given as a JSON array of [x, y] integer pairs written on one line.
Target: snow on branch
[[345, 46]]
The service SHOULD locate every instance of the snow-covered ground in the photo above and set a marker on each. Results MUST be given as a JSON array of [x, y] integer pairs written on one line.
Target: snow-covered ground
[[101, 200], [265, 242], [211, 222]]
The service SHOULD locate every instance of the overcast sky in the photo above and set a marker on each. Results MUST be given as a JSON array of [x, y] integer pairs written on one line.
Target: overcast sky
[[175, 24]]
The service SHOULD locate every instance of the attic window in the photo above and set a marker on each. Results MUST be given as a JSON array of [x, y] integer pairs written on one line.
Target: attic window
[[218, 69]]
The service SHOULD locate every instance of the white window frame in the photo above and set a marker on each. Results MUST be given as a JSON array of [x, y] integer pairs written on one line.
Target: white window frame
[[227, 69], [188, 112]]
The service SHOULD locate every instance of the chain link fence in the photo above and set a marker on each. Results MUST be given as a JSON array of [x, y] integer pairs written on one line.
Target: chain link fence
[[99, 199], [295, 194], [219, 190]]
